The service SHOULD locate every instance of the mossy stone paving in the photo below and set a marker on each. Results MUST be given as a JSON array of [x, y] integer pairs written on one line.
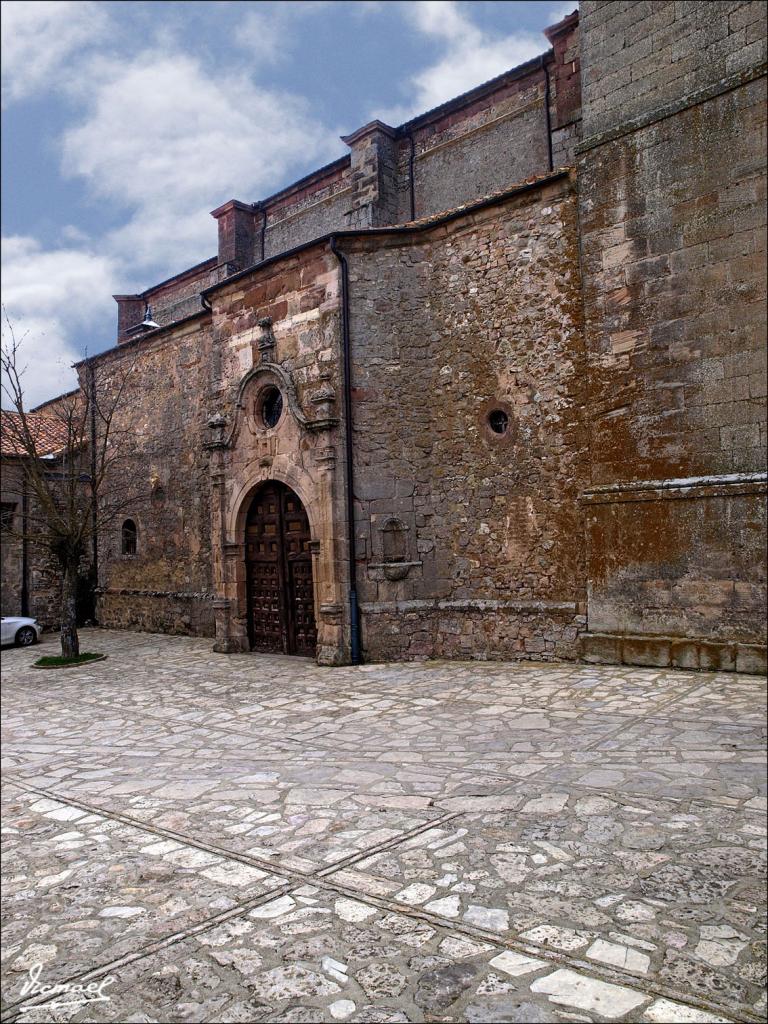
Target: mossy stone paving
[[239, 838]]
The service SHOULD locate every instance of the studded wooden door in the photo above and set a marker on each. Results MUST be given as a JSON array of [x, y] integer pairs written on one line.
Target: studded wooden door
[[281, 607]]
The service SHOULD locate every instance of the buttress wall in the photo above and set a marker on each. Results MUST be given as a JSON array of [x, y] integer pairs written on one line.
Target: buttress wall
[[672, 208], [160, 424], [468, 540]]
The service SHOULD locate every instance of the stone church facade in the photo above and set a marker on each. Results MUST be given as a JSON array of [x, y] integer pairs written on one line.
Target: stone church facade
[[492, 385]]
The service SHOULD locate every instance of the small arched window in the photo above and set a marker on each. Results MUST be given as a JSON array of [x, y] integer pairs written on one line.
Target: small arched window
[[129, 537], [393, 541]]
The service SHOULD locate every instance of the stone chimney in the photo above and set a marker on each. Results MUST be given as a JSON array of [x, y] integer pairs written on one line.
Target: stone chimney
[[566, 71], [374, 175], [130, 312], [239, 225]]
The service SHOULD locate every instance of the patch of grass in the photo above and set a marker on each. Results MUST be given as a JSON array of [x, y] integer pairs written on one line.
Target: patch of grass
[[57, 661]]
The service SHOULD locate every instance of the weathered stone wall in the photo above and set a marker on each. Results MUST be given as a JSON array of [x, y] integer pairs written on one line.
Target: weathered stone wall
[[167, 584], [630, 478], [44, 589], [308, 213], [170, 301], [43, 574], [674, 261], [476, 315], [180, 297], [640, 56], [565, 90], [11, 493], [477, 152], [673, 246], [687, 562]]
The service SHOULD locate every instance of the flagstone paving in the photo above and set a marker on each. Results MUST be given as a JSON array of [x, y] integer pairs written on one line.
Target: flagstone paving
[[204, 837]]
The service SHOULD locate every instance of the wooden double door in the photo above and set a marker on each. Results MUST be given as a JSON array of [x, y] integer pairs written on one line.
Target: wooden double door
[[281, 605]]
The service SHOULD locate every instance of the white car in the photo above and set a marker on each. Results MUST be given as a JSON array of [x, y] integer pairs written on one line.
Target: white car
[[20, 631]]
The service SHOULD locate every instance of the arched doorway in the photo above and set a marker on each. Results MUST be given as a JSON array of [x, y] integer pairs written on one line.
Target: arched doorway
[[281, 606]]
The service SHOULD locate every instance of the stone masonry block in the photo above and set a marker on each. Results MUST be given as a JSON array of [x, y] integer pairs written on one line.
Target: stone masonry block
[[601, 649], [751, 658], [651, 651]]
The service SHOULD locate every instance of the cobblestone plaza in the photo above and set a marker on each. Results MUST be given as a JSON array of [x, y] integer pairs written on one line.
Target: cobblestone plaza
[[244, 838]]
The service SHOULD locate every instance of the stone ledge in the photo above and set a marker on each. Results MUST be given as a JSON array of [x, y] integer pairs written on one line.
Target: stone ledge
[[672, 652], [714, 486], [693, 99], [183, 595], [467, 605]]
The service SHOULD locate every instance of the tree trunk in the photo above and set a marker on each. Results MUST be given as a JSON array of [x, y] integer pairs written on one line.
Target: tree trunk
[[70, 643]]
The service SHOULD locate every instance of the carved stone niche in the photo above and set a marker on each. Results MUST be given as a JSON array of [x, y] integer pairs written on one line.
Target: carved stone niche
[[324, 400], [393, 543], [217, 425]]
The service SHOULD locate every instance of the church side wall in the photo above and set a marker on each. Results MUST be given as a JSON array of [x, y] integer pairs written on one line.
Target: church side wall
[[309, 214], [673, 244], [479, 315], [166, 586], [474, 153]]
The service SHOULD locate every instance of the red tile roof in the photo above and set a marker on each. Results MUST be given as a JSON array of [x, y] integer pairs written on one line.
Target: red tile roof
[[48, 433]]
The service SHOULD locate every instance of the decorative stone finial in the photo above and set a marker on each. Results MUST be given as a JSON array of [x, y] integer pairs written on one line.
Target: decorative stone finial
[[267, 339]]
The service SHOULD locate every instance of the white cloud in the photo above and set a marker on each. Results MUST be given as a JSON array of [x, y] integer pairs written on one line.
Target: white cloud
[[169, 141], [471, 56], [49, 296], [261, 32], [42, 42], [268, 31], [560, 11], [166, 141]]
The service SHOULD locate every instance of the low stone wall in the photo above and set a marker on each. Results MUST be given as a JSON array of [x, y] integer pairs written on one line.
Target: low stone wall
[[672, 652], [185, 614], [472, 630]]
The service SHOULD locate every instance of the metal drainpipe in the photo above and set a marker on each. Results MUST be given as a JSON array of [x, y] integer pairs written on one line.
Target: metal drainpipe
[[24, 547], [411, 189], [550, 165], [354, 610]]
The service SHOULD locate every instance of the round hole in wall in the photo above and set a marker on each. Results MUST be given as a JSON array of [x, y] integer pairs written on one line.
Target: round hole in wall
[[498, 421], [271, 406]]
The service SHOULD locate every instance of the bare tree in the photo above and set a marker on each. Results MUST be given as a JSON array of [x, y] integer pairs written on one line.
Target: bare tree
[[79, 466]]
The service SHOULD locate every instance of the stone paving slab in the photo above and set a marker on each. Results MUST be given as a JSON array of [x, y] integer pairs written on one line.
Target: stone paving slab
[[310, 955], [80, 889], [299, 816], [658, 893], [728, 777], [465, 842]]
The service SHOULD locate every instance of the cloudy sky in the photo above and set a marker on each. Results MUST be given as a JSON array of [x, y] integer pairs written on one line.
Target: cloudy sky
[[124, 124]]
